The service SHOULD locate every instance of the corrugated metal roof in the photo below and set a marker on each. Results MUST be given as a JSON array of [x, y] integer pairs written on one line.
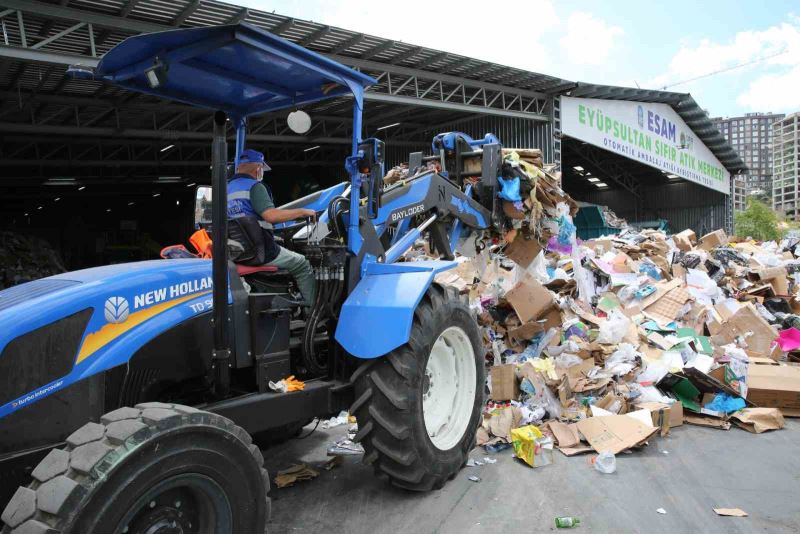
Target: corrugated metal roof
[[319, 37], [339, 42]]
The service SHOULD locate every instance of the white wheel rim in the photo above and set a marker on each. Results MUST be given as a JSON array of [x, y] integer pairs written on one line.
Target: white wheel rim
[[448, 389]]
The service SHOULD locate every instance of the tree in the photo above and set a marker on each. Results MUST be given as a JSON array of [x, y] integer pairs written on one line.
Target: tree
[[758, 221]]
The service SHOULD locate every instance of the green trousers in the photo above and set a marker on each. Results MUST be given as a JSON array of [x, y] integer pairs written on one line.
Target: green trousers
[[299, 267]]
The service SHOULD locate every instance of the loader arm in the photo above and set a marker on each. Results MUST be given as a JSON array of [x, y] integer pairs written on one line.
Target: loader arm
[[377, 315]]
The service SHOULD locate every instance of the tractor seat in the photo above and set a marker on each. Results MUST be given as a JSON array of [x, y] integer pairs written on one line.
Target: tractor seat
[[244, 270]]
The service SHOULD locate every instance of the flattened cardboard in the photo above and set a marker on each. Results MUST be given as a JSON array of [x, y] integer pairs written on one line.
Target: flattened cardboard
[[754, 360], [614, 433], [504, 382], [530, 299], [523, 251], [502, 420], [757, 332], [667, 308], [730, 512], [704, 420], [565, 435]]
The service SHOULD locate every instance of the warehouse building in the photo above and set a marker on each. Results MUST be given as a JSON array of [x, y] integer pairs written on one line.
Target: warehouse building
[[108, 176]]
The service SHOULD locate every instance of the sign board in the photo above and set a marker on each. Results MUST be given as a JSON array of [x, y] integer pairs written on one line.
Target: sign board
[[652, 134]]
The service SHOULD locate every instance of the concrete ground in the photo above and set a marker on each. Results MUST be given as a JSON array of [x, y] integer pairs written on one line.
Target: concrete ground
[[704, 469]]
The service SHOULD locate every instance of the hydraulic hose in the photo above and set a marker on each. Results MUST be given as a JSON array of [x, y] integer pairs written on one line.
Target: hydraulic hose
[[333, 215], [311, 324]]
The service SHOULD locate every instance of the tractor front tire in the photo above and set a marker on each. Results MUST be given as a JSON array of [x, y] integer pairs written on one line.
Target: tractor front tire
[[418, 407], [152, 468]]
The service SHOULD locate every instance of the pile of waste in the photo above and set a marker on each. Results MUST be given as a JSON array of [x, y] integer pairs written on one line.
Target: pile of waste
[[24, 258], [602, 345]]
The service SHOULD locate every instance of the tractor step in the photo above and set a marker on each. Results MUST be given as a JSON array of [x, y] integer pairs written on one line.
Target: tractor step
[[320, 398]]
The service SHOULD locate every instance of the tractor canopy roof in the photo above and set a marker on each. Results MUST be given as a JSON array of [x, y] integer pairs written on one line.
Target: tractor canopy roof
[[239, 69]]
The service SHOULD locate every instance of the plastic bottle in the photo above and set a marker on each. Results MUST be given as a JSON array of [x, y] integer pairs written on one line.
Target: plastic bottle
[[606, 462], [567, 522]]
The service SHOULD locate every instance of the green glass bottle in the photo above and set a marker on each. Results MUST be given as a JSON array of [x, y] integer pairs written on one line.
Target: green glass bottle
[[567, 522]]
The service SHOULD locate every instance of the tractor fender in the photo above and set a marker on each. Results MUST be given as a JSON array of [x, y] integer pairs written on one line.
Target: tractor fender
[[377, 316]]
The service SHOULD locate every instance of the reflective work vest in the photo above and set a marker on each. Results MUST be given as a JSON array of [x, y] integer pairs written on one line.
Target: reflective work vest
[[239, 204]]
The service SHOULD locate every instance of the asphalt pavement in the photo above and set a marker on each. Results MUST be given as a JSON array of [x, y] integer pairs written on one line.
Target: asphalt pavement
[[687, 473]]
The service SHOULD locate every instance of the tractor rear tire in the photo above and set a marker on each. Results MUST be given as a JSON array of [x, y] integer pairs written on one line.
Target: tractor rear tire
[[413, 433], [152, 468]]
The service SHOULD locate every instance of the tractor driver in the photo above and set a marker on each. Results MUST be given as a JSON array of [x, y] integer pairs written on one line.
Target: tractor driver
[[248, 197]]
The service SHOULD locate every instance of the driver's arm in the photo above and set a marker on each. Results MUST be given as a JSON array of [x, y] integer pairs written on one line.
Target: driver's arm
[[263, 204], [277, 215]]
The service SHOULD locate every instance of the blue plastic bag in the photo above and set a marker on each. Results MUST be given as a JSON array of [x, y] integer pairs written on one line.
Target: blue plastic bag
[[510, 189], [725, 403]]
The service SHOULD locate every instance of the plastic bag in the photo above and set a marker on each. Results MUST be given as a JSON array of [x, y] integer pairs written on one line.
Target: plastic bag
[[531, 413], [725, 403], [543, 343], [622, 361], [566, 360], [652, 394], [510, 189], [653, 373], [614, 328], [540, 395], [538, 268], [606, 462]]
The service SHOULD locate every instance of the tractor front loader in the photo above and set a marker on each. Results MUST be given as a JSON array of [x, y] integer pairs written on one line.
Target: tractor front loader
[[132, 394]]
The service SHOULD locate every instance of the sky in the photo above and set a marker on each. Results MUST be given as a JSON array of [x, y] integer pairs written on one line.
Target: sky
[[652, 45]]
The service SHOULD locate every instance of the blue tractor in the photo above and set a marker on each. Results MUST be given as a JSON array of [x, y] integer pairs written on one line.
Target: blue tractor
[[135, 396]]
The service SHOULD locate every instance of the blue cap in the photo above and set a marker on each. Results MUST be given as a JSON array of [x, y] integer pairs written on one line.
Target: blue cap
[[253, 156]]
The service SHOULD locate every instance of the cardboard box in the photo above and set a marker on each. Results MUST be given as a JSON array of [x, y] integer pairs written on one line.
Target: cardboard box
[[775, 386], [661, 414], [676, 414], [713, 239], [504, 382], [530, 299], [683, 240], [726, 375]]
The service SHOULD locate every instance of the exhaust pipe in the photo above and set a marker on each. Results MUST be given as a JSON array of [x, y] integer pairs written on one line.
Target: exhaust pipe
[[219, 235]]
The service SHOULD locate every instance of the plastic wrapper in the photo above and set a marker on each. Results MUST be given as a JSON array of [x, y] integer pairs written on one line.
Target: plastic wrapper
[[531, 446]]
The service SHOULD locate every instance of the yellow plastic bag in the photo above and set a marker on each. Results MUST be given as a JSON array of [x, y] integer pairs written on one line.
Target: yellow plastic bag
[[531, 446]]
